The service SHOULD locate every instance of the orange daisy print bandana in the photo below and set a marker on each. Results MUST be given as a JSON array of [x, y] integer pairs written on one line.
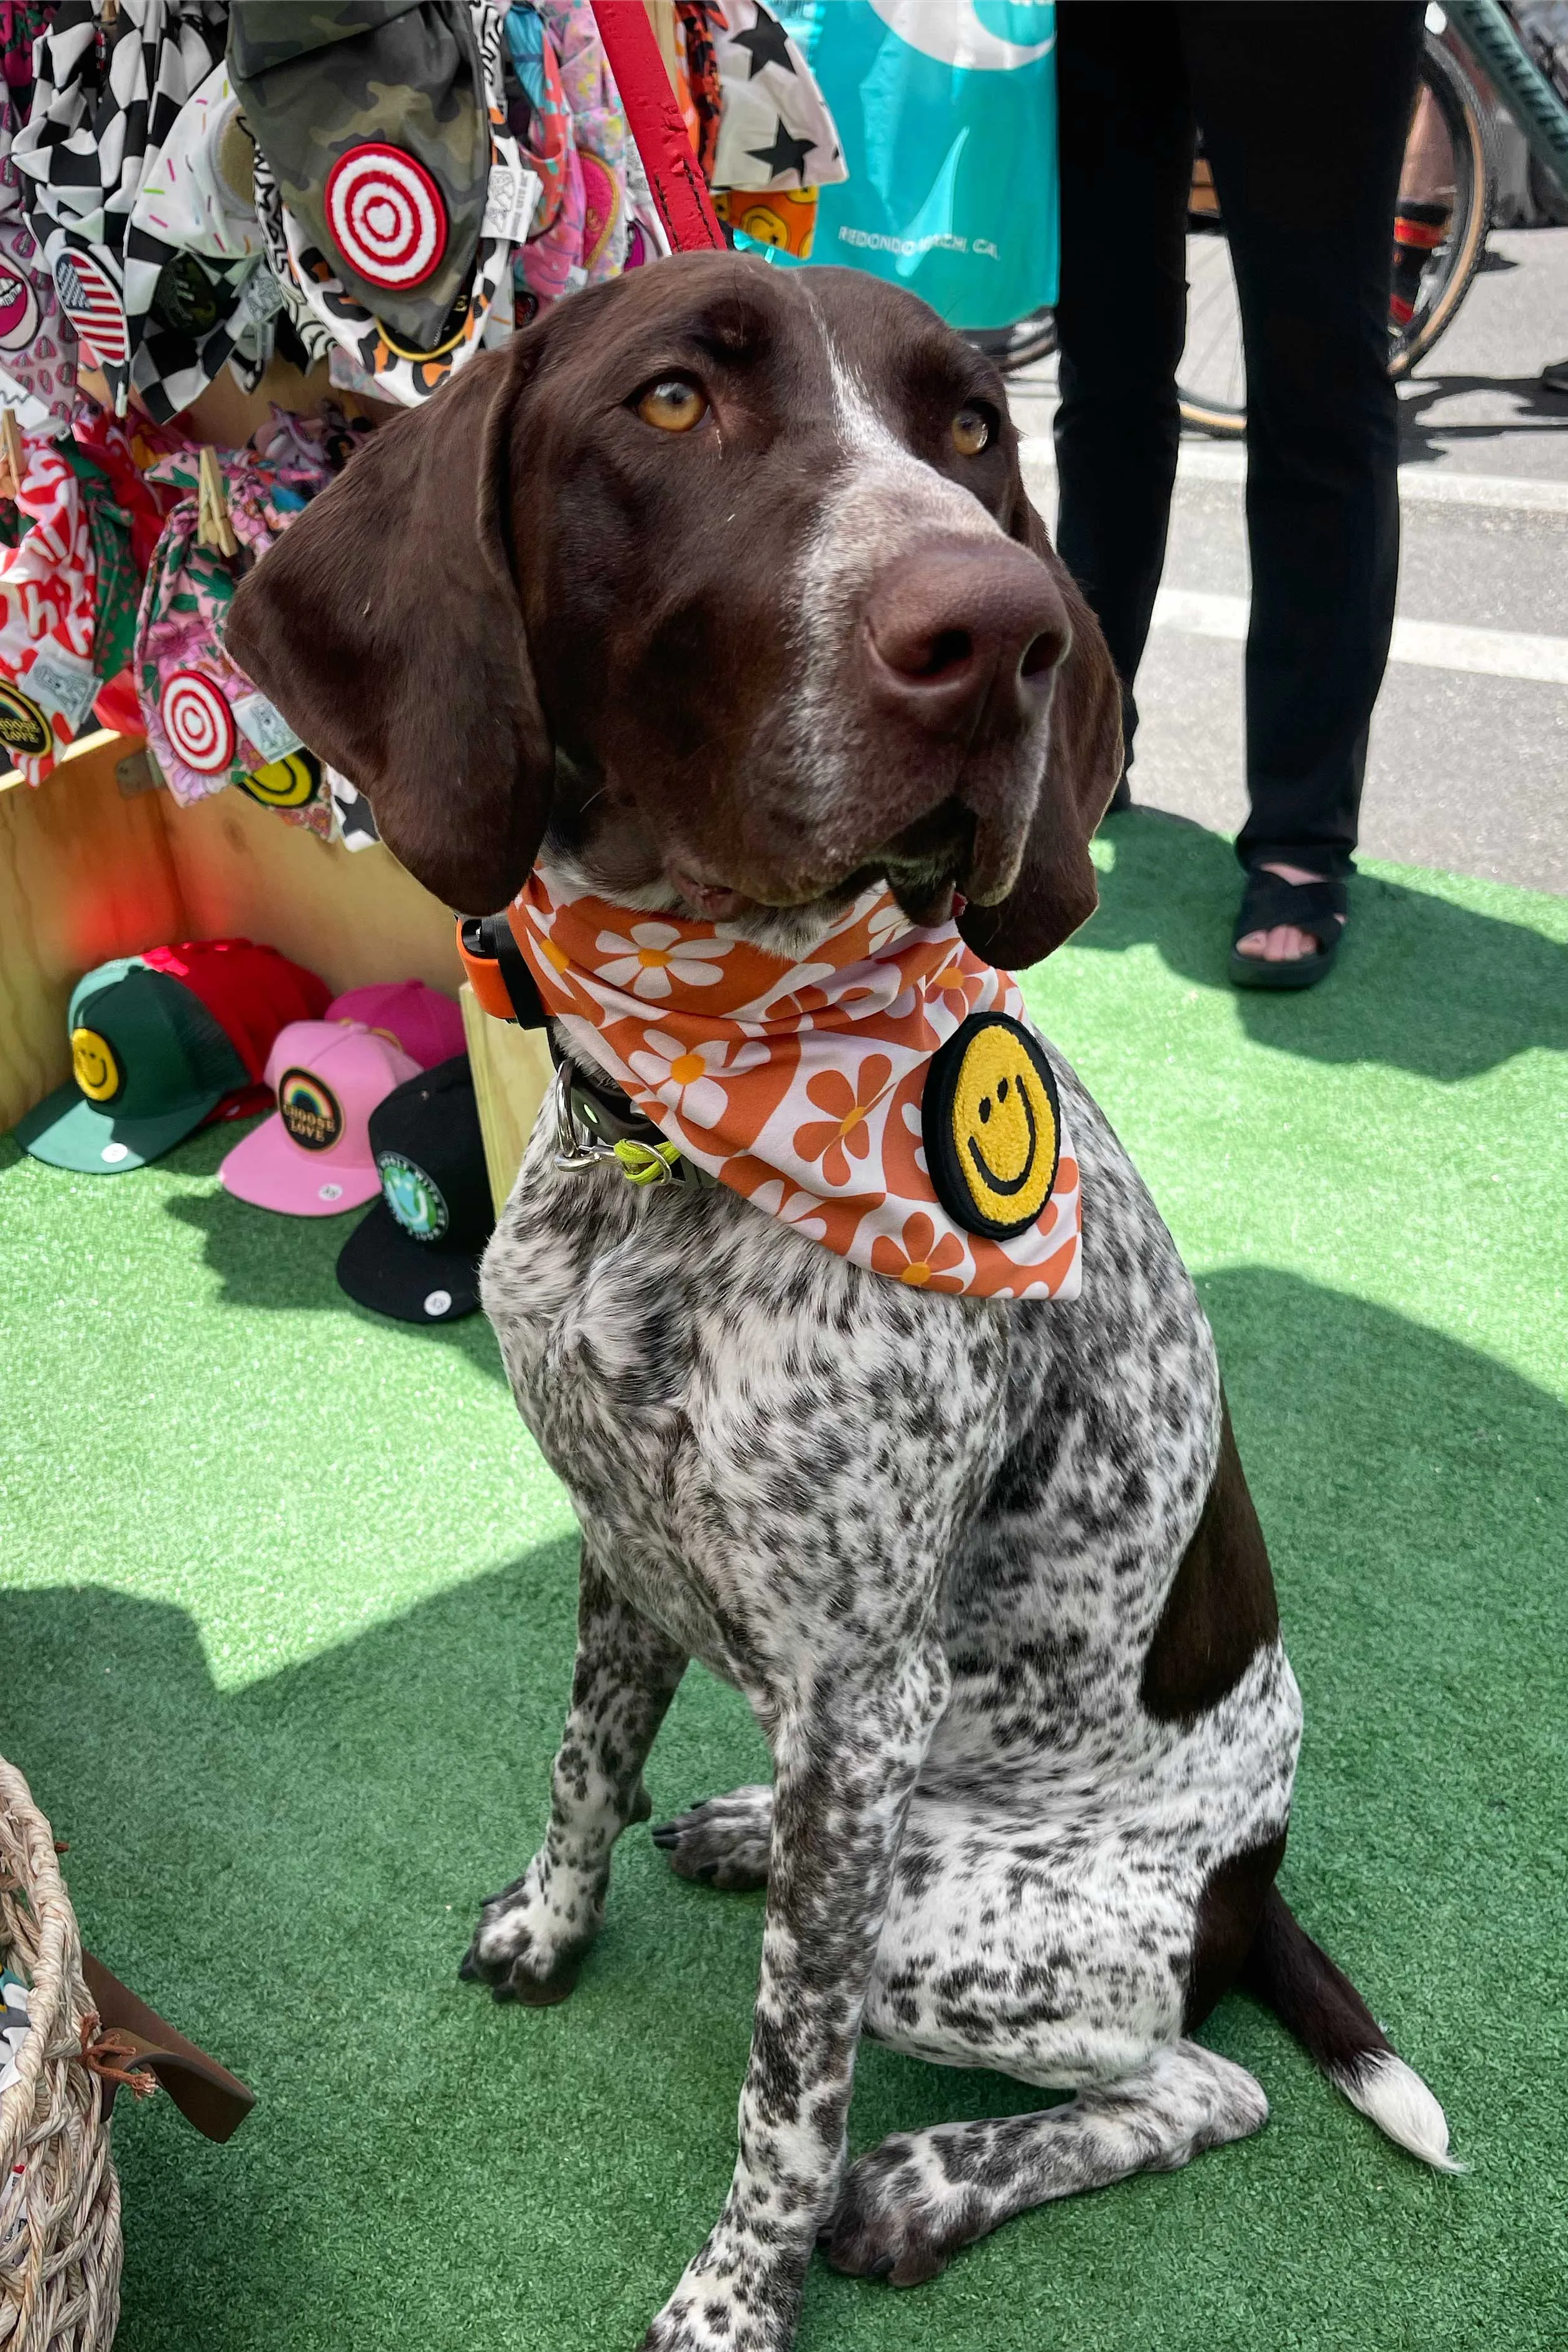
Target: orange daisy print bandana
[[801, 1086]]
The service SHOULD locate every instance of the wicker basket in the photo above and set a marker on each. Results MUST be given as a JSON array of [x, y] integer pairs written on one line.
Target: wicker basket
[[59, 2280]]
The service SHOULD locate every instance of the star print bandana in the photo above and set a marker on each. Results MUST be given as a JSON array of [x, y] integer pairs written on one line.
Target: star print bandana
[[800, 1085], [776, 130]]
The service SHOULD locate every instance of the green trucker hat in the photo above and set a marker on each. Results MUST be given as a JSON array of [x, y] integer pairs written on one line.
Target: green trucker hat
[[150, 1064]]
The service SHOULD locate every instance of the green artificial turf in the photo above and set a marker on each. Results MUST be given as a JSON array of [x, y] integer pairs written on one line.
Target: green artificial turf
[[286, 1632]]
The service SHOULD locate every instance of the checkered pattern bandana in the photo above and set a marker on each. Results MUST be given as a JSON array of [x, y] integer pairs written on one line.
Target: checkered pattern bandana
[[107, 96], [198, 289]]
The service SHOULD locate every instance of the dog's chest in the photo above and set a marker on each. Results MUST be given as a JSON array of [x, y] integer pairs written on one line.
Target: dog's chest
[[740, 1416]]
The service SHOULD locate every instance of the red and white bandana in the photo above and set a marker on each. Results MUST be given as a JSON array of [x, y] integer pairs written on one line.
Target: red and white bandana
[[809, 1089]]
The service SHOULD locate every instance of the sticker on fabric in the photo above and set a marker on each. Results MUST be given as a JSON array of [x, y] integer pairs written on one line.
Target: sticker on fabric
[[267, 728], [24, 732], [94, 1066], [89, 299], [991, 1124], [291, 782], [414, 1199], [309, 1110], [197, 721], [385, 215]]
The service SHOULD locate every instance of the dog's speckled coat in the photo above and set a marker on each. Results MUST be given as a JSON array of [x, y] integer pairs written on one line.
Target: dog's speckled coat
[[931, 1539], [986, 1570]]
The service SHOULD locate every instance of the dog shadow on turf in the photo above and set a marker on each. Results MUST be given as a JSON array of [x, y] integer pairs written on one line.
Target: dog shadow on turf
[[1421, 985], [290, 1870]]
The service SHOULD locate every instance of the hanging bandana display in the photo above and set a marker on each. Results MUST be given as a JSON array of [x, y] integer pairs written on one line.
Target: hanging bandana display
[[376, 127], [776, 130], [539, 118], [48, 591], [393, 220], [198, 289], [598, 133], [21, 24], [38, 349], [885, 1096], [107, 95], [207, 725]]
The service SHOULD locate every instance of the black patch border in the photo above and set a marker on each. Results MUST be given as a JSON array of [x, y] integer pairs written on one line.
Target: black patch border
[[948, 1180], [297, 1070], [24, 706]]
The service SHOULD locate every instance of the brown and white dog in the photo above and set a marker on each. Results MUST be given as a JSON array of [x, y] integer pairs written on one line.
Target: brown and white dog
[[722, 583]]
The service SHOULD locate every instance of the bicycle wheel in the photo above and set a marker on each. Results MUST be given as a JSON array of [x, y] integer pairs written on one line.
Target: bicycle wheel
[[1018, 346], [1213, 386]]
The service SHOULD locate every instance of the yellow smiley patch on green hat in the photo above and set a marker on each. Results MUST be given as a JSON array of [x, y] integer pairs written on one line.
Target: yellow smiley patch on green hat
[[991, 1124]]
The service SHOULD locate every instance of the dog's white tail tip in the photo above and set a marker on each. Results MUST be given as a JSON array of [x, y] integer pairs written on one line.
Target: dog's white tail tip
[[1393, 2097]]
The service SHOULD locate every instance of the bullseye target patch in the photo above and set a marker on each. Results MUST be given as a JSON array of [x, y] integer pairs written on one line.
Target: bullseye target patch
[[990, 1125], [385, 215], [197, 721]]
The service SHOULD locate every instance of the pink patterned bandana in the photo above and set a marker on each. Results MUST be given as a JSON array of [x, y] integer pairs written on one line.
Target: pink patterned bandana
[[885, 1096]]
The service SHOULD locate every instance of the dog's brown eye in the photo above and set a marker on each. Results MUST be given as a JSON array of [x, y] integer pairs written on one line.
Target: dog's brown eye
[[673, 404], [971, 432]]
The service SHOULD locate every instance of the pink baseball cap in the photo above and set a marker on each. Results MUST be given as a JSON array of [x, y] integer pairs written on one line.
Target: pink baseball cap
[[313, 1158], [420, 1021]]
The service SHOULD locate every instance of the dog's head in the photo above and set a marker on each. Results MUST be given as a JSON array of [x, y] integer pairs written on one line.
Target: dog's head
[[726, 577]]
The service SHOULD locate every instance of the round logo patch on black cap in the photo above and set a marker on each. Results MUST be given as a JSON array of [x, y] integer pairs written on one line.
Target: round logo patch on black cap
[[309, 1110], [991, 1124], [24, 728], [94, 1066], [414, 1197]]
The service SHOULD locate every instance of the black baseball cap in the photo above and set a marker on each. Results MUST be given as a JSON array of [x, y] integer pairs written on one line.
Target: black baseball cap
[[417, 1254]]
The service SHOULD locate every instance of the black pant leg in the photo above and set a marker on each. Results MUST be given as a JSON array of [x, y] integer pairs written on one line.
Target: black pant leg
[[1305, 105], [1126, 141]]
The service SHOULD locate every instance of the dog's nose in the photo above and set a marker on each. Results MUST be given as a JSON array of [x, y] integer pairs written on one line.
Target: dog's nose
[[954, 628]]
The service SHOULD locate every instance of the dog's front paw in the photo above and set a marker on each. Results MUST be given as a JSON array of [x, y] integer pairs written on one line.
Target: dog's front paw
[[705, 2314], [723, 1843], [897, 2219], [532, 1939]]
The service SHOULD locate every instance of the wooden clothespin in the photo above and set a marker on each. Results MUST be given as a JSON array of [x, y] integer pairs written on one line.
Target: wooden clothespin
[[213, 528], [13, 459]]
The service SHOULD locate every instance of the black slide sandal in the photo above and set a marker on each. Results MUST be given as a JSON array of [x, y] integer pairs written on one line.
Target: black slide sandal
[[1314, 907]]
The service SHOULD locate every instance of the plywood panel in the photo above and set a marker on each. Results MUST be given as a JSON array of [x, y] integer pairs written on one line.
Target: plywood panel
[[351, 915], [512, 1071], [84, 875]]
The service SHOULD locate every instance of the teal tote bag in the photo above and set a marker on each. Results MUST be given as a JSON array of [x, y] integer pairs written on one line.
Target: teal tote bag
[[947, 113]]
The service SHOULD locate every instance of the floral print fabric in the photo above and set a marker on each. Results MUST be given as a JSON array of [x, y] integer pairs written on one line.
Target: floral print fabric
[[799, 1084]]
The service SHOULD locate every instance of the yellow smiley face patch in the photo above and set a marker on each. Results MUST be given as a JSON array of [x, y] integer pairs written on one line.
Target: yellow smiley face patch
[[991, 1124], [292, 781], [93, 1066]]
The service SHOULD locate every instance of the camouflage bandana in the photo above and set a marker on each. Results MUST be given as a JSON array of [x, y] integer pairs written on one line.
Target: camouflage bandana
[[327, 317], [373, 119], [106, 94]]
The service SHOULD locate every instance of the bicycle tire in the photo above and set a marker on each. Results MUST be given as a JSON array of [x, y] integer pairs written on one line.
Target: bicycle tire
[[1475, 164], [1018, 346], [1475, 187]]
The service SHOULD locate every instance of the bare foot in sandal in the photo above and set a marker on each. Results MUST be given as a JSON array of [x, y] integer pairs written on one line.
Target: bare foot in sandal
[[1284, 943]]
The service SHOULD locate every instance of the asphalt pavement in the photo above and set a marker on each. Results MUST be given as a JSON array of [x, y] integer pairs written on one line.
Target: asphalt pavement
[[1467, 769]]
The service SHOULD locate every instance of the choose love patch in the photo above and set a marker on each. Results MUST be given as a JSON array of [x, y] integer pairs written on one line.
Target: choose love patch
[[991, 1123]]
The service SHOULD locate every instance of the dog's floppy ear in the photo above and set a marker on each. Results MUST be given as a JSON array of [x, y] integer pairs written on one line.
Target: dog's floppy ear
[[386, 626], [1055, 892]]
